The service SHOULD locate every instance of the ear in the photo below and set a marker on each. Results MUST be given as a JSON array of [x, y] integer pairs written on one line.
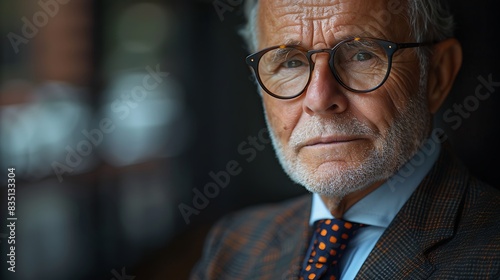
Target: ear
[[444, 64]]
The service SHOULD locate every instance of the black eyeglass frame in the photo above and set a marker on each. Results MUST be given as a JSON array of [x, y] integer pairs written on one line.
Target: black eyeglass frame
[[390, 48]]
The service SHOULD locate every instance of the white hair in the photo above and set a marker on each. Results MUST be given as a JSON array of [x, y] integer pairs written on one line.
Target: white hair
[[249, 30]]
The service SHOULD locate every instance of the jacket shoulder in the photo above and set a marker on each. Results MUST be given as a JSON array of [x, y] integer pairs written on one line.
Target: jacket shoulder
[[270, 212], [239, 239], [474, 251], [481, 212]]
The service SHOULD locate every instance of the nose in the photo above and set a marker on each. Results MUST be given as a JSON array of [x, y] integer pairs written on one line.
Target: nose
[[324, 95]]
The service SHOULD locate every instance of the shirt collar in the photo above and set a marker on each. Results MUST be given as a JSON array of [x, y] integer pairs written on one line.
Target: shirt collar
[[380, 206]]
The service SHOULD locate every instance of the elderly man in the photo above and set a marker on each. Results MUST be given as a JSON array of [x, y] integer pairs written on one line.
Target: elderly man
[[349, 89]]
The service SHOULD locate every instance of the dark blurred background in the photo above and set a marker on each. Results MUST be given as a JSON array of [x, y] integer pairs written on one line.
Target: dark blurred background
[[117, 114]]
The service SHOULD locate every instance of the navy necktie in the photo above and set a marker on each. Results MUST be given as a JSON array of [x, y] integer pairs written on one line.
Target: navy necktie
[[327, 246]]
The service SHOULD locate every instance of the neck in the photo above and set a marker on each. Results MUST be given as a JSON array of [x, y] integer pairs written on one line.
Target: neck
[[339, 205]]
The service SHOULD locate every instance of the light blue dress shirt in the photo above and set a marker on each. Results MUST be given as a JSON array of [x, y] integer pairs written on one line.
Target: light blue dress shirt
[[378, 209]]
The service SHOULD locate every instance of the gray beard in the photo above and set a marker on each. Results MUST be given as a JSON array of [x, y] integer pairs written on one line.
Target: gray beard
[[409, 129]]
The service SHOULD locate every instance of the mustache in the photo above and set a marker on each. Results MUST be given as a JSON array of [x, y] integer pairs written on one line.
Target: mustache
[[338, 125]]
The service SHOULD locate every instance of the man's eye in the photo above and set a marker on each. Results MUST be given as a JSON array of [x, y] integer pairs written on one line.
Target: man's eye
[[292, 64], [362, 56]]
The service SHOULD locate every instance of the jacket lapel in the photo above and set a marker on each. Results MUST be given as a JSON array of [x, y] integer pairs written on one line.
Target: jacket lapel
[[427, 220], [294, 242], [285, 250]]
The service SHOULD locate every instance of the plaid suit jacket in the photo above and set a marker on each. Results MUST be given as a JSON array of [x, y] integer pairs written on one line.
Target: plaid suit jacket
[[448, 229]]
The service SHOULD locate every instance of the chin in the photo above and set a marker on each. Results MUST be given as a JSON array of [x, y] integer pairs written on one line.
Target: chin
[[337, 179]]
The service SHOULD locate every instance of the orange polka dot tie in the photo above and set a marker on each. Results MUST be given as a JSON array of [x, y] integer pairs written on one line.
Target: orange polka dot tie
[[327, 246]]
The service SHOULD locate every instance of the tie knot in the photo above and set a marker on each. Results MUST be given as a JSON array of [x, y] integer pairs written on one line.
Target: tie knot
[[336, 227]]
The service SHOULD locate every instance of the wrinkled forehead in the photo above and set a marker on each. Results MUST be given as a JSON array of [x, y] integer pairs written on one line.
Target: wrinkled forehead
[[326, 22]]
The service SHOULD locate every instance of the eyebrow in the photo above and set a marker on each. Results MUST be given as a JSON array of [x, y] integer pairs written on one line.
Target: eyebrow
[[365, 34], [291, 42], [280, 55]]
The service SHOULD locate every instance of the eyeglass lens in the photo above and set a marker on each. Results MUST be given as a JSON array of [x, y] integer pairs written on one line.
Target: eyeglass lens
[[359, 65]]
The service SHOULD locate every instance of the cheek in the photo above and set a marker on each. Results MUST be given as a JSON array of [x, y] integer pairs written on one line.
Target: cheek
[[381, 107], [282, 116], [403, 85], [377, 110]]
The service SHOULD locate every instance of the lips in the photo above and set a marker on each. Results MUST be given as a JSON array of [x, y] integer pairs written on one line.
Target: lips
[[329, 140]]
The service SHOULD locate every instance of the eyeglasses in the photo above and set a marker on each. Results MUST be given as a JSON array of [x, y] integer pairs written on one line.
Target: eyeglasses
[[359, 64]]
